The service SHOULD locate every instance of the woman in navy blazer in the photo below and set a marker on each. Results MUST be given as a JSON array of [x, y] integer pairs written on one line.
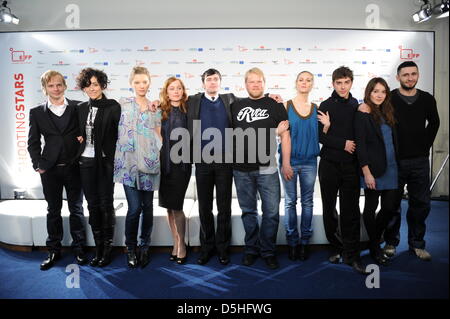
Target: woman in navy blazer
[[376, 150]]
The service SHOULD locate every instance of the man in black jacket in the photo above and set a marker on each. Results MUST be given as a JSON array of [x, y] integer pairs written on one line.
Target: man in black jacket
[[338, 171], [417, 125], [214, 111], [56, 120]]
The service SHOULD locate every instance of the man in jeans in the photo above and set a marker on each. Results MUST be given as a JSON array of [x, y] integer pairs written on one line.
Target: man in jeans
[[56, 121], [417, 126], [338, 171], [255, 170]]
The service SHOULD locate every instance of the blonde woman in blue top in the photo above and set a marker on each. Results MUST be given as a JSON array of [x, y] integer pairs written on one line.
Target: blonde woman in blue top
[[303, 117], [136, 164]]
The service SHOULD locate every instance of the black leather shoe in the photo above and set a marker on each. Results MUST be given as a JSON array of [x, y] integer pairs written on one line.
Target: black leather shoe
[[144, 257], [292, 253], [271, 262], [204, 258], [173, 257], [132, 260], [81, 258], [249, 259], [335, 258], [303, 252], [50, 260], [97, 257], [106, 258], [379, 257], [224, 259], [358, 267]]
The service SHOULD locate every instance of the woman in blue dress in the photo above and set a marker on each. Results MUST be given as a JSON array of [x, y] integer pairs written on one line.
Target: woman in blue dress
[[375, 137], [136, 164]]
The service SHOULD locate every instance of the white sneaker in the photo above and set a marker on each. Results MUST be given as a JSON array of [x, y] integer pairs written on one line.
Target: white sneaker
[[389, 250], [422, 254]]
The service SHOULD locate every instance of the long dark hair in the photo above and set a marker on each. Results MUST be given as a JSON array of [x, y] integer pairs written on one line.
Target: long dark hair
[[385, 110]]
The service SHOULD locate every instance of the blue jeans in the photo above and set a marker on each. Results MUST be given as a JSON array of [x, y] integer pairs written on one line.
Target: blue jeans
[[138, 201], [259, 241], [306, 174]]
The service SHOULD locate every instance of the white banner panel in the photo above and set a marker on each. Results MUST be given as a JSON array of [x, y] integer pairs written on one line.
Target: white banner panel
[[280, 53]]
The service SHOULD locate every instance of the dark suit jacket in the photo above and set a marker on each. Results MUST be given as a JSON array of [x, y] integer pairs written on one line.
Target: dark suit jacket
[[193, 109], [110, 123], [370, 147], [41, 124]]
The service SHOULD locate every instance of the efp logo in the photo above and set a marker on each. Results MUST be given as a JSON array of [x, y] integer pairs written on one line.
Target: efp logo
[[19, 56], [407, 54]]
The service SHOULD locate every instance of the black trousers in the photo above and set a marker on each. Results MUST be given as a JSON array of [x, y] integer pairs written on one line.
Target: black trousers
[[377, 223], [53, 182], [98, 188], [415, 173], [342, 177], [209, 176]]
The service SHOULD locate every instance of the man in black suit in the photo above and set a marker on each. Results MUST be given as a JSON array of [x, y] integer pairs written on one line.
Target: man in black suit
[[56, 120], [213, 110]]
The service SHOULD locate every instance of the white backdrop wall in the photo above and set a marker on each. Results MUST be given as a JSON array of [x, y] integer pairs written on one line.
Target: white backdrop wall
[[349, 14], [280, 53]]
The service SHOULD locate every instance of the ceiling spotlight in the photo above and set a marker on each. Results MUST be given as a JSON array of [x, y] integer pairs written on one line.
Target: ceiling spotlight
[[441, 9], [6, 16], [424, 13]]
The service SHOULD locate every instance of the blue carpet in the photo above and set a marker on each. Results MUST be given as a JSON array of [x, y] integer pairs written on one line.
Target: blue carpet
[[406, 277]]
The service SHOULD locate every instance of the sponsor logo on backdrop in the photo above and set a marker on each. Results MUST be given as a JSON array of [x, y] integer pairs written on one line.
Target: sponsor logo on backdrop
[[196, 49], [77, 51], [237, 62], [287, 61], [82, 63], [155, 62], [363, 49], [195, 61], [172, 49], [307, 61], [277, 87], [188, 75], [18, 56], [146, 49], [262, 48], [57, 51], [109, 50], [284, 49], [121, 62], [125, 50], [338, 49], [20, 121], [407, 54], [242, 48], [257, 62], [60, 63], [173, 62], [92, 50], [101, 63], [227, 49], [40, 51], [139, 62], [315, 48]]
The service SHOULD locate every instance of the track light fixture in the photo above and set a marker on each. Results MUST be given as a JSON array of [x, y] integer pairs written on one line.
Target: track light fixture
[[424, 13], [5, 14], [441, 9]]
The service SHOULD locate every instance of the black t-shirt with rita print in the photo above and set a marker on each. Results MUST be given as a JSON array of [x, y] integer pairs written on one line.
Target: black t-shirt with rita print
[[261, 116]]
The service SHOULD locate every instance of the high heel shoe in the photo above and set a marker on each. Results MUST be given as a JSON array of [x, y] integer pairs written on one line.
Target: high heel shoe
[[181, 261], [173, 257]]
